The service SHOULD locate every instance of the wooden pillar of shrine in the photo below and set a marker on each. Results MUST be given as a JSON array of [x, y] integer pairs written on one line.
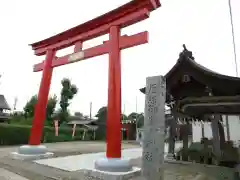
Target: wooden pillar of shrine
[[216, 138], [171, 138], [202, 129], [227, 127]]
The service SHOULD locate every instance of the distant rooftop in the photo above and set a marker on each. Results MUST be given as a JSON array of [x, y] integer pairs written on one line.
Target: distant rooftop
[[3, 103]]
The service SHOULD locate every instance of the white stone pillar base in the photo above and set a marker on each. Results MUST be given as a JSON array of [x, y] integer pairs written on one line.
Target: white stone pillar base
[[29, 152], [113, 165], [103, 175]]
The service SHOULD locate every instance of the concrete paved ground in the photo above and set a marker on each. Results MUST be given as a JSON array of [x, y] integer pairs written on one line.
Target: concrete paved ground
[[70, 148], [33, 171], [8, 175]]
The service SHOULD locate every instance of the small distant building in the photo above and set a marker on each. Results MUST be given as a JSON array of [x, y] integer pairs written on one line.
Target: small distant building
[[128, 129], [4, 109], [84, 123]]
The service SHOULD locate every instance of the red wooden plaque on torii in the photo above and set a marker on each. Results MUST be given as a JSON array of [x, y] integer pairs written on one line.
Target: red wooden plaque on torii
[[111, 22]]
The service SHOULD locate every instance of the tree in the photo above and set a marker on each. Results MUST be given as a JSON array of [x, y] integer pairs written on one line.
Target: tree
[[52, 102], [124, 117], [67, 93], [133, 116], [138, 117], [102, 114], [78, 114], [29, 108], [102, 118], [140, 120]]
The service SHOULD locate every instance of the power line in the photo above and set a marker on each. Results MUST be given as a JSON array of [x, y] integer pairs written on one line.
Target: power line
[[233, 37]]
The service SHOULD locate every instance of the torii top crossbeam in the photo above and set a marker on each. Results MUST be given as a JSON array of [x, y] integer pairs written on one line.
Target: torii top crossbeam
[[128, 14]]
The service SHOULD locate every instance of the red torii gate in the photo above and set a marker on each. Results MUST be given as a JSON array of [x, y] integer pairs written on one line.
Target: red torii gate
[[111, 22]]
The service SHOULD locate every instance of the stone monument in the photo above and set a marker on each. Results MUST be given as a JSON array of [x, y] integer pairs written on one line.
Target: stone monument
[[154, 126]]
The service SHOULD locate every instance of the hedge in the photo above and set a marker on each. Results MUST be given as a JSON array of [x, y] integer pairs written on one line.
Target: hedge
[[200, 154], [19, 134]]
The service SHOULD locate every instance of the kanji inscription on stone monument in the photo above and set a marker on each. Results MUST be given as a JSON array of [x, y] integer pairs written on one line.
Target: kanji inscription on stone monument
[[154, 126]]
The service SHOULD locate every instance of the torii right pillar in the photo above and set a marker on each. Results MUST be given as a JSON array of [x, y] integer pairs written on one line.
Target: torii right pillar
[[114, 96], [113, 161]]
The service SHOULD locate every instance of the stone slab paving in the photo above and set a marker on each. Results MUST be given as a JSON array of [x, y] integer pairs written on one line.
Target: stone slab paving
[[87, 160]]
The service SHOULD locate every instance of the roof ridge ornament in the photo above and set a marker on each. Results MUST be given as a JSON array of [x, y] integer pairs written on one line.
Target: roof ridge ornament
[[186, 53]]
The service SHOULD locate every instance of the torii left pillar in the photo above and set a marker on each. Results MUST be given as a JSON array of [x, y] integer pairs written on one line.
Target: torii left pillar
[[34, 150]]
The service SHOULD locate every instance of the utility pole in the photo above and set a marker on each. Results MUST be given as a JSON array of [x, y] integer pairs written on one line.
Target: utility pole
[[233, 37], [136, 112], [136, 118], [0, 77], [234, 49], [136, 105], [90, 115], [15, 103]]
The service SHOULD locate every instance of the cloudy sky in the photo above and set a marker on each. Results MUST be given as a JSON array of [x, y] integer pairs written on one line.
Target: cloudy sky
[[203, 25]]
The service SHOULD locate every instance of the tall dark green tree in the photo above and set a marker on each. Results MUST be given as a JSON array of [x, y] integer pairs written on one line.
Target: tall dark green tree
[[138, 117], [140, 120], [78, 114], [132, 116], [52, 102], [102, 118], [30, 107], [124, 117], [102, 115], [67, 93]]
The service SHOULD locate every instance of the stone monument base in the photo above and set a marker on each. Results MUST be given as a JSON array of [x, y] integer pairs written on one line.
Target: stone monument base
[[170, 156], [103, 175], [29, 152]]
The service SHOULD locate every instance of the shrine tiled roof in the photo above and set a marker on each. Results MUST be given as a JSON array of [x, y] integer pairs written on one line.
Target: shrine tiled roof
[[3, 103], [186, 64]]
